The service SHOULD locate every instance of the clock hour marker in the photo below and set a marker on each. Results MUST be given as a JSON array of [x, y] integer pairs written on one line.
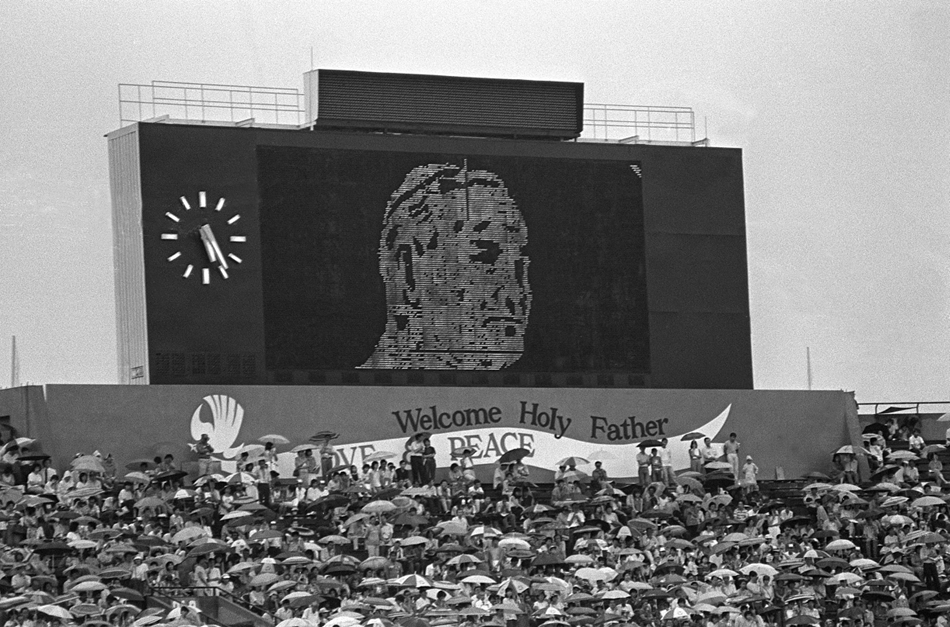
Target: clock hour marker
[[184, 203], [188, 271], [175, 256], [238, 238], [205, 276], [220, 205], [234, 258], [172, 216], [203, 199], [169, 235], [224, 272], [235, 218]]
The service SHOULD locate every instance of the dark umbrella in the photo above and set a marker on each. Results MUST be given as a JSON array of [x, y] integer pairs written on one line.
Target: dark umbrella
[[340, 569], [546, 559], [127, 594], [330, 501], [851, 612], [53, 548], [649, 443], [210, 547], [324, 435], [514, 455], [171, 475], [414, 621], [410, 520]]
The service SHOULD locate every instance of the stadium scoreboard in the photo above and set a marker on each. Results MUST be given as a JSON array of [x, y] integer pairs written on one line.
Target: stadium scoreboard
[[286, 256]]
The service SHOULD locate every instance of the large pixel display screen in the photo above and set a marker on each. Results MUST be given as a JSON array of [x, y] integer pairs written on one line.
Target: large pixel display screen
[[391, 260]]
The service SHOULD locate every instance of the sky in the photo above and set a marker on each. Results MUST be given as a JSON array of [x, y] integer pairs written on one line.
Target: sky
[[842, 111]]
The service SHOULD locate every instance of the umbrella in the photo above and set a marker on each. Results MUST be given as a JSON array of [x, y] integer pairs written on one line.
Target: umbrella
[[53, 548], [137, 477], [695, 435], [374, 563], [573, 461], [591, 574], [264, 579], [514, 455], [236, 514], [928, 501], [761, 569], [149, 501], [319, 436], [479, 579], [126, 593], [378, 456], [240, 477], [690, 482], [90, 586], [273, 437], [840, 545], [250, 449], [378, 507], [56, 612], [719, 466], [649, 443], [140, 464], [848, 449], [901, 456], [802, 619], [413, 581], [293, 622], [87, 463]]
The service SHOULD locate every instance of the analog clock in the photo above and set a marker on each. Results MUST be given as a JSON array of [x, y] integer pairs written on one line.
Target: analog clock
[[203, 237]]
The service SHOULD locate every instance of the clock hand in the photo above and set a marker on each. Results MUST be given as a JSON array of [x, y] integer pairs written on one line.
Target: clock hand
[[206, 239], [217, 249]]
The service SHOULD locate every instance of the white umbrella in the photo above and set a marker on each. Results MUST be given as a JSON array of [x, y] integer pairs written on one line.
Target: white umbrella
[[56, 611], [840, 545], [761, 569], [273, 437]]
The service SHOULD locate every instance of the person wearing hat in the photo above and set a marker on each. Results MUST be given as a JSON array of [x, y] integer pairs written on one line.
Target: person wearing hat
[[749, 473]]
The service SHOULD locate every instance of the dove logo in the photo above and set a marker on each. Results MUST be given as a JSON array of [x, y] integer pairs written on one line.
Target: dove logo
[[227, 415]]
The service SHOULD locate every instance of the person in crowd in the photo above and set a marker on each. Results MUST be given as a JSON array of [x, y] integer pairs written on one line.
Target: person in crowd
[[416, 449], [696, 460], [731, 450], [749, 476], [204, 450]]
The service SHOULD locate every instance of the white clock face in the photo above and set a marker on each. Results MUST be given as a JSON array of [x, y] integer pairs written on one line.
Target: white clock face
[[204, 238]]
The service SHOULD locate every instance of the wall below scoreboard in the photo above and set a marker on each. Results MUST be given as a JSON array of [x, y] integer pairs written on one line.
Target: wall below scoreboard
[[793, 430]]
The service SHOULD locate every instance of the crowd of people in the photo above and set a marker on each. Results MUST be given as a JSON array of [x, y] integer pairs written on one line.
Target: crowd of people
[[398, 541]]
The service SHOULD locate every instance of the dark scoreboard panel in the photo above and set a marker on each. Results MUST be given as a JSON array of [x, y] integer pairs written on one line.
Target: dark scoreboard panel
[[445, 261], [368, 254]]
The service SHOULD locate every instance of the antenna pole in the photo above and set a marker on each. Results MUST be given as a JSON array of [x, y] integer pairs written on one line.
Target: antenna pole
[[14, 366], [808, 364]]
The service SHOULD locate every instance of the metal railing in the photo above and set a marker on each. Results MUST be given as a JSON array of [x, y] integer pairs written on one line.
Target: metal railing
[[210, 102], [283, 106], [903, 408], [637, 123]]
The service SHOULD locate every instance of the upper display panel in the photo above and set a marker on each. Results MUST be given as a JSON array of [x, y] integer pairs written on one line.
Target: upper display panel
[[394, 260]]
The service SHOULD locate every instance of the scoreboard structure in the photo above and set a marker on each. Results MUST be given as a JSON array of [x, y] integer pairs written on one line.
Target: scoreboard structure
[[330, 256]]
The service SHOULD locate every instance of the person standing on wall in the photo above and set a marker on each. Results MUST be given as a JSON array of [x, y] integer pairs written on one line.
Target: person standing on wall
[[326, 458], [643, 468], [416, 459], [666, 455], [731, 450], [428, 462], [204, 450], [262, 474]]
